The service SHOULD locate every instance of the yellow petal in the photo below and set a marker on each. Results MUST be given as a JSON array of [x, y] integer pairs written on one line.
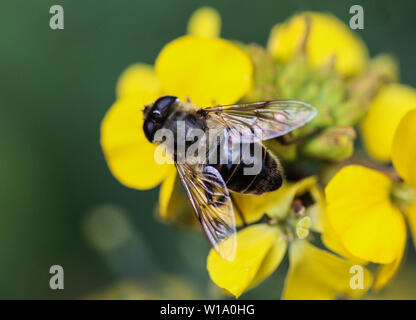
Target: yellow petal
[[331, 240], [411, 219], [386, 110], [272, 259], [136, 79], [165, 193], [328, 38], [174, 205], [260, 248], [317, 274], [274, 204], [207, 70], [205, 22], [404, 153], [333, 243], [316, 211], [388, 271], [285, 39], [362, 216], [129, 155]]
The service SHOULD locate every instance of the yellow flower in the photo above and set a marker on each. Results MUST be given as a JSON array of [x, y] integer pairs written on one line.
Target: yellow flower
[[385, 112], [365, 208], [313, 273], [323, 37], [404, 159], [207, 70]]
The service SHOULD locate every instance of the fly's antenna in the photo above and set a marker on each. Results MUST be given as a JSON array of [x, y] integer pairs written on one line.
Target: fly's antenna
[[146, 110]]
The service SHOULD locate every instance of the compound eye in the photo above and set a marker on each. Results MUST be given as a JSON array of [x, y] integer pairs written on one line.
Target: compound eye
[[157, 115], [164, 103], [149, 129]]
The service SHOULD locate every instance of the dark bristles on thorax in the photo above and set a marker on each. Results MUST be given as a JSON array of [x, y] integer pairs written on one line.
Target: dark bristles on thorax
[[202, 112]]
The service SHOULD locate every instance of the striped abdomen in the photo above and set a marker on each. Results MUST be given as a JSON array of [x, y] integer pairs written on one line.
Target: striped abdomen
[[268, 179]]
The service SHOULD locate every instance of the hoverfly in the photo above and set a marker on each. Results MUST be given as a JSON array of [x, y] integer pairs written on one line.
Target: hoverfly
[[208, 185]]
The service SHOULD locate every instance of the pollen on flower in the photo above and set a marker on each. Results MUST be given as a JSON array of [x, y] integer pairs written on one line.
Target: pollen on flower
[[304, 223], [302, 227], [302, 233]]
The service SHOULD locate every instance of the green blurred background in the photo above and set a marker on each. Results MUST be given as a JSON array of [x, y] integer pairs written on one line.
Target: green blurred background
[[59, 203]]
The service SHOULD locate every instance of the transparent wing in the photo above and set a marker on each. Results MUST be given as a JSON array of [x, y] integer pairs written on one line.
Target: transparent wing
[[261, 120], [212, 205]]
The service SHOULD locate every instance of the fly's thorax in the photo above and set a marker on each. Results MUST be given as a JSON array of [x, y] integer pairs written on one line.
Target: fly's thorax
[[182, 132], [188, 131]]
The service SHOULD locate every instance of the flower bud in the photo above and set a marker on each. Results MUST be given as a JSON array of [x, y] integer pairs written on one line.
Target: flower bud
[[349, 113], [386, 66], [335, 143], [402, 195], [265, 68]]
